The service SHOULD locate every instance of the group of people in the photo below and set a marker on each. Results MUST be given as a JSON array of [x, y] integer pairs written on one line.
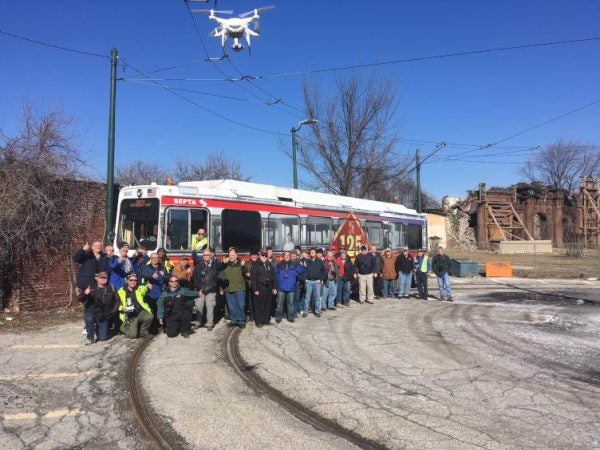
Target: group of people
[[137, 294]]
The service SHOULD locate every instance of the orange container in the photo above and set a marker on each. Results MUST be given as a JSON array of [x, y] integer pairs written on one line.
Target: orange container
[[498, 269]]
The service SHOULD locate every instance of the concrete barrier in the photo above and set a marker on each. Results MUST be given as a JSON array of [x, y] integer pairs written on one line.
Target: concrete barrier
[[512, 247]]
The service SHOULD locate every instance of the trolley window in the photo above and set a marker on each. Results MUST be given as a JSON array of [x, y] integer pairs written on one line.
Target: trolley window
[[138, 222], [282, 231], [396, 235], [317, 231], [375, 232], [182, 224], [215, 233], [414, 236], [240, 229]]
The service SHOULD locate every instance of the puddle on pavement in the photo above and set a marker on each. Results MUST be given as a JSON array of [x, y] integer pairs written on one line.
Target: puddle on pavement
[[524, 297]]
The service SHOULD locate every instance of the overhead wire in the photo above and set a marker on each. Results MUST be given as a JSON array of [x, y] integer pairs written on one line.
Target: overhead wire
[[191, 91], [53, 46], [397, 61], [209, 111]]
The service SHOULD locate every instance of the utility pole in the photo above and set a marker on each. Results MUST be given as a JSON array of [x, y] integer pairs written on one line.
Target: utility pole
[[110, 185], [418, 167], [295, 147]]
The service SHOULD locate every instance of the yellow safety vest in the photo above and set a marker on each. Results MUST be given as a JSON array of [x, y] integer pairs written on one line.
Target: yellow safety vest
[[140, 293], [199, 244], [423, 267]]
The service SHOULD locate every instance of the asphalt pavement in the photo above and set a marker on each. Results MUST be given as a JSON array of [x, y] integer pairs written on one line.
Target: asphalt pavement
[[512, 363]]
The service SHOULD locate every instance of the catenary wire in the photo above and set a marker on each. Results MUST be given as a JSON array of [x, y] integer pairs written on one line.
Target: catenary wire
[[56, 47], [216, 114], [191, 91], [394, 61]]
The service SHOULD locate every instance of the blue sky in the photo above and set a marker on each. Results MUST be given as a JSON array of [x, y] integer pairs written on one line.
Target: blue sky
[[477, 99]]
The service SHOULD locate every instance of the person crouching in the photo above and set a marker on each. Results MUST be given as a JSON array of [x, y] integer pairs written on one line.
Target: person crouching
[[135, 314], [175, 309], [100, 303]]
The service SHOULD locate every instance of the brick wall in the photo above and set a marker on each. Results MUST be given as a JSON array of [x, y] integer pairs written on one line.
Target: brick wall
[[49, 281]]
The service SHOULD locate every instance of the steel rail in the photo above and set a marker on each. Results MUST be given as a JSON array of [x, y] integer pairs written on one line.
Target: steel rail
[[138, 402], [306, 415]]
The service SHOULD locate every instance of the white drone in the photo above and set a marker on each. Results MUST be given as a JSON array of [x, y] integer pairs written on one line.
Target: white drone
[[235, 28]]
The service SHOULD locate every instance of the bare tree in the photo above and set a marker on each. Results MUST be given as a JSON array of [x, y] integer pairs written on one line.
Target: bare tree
[[563, 163], [139, 172], [38, 193], [352, 148], [215, 167]]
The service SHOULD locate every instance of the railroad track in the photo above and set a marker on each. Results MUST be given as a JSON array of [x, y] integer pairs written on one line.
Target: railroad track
[[261, 387], [160, 440], [138, 403]]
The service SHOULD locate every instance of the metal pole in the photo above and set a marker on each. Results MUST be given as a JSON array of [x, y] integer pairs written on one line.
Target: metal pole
[[294, 164], [418, 166], [109, 219]]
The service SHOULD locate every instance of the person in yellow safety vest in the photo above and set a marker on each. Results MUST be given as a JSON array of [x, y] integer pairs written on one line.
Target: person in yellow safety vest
[[422, 266], [135, 314], [199, 240]]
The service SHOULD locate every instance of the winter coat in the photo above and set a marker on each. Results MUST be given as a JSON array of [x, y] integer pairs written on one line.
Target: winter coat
[[315, 269], [286, 275], [139, 264], [262, 276], [347, 269], [232, 276], [103, 301], [157, 283], [378, 262], [404, 264], [119, 269], [183, 275], [333, 271], [441, 264], [389, 271], [90, 266], [365, 264], [205, 277], [173, 302]]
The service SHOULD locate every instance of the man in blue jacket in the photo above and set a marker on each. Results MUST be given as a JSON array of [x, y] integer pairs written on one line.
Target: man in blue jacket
[[121, 266], [156, 274], [286, 276]]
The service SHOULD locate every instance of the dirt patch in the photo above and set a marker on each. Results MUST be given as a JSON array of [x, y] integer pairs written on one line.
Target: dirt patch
[[558, 264], [33, 321]]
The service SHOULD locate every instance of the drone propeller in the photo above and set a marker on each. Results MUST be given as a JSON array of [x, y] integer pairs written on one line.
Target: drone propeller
[[212, 11], [257, 10]]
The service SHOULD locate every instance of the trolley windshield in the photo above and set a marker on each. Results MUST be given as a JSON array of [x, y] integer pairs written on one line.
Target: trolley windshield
[[138, 222]]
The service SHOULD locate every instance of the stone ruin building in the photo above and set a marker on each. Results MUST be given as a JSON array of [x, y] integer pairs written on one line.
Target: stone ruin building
[[526, 212]]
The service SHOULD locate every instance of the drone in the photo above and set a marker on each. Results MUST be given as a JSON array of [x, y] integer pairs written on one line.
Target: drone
[[236, 28]]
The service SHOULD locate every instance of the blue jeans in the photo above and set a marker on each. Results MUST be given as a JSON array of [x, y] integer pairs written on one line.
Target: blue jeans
[[94, 326], [329, 293], [405, 282], [298, 298], [288, 298], [312, 285], [343, 292], [444, 285], [236, 302], [388, 288]]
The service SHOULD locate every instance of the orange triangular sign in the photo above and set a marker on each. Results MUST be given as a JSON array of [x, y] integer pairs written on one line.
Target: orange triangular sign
[[350, 236]]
